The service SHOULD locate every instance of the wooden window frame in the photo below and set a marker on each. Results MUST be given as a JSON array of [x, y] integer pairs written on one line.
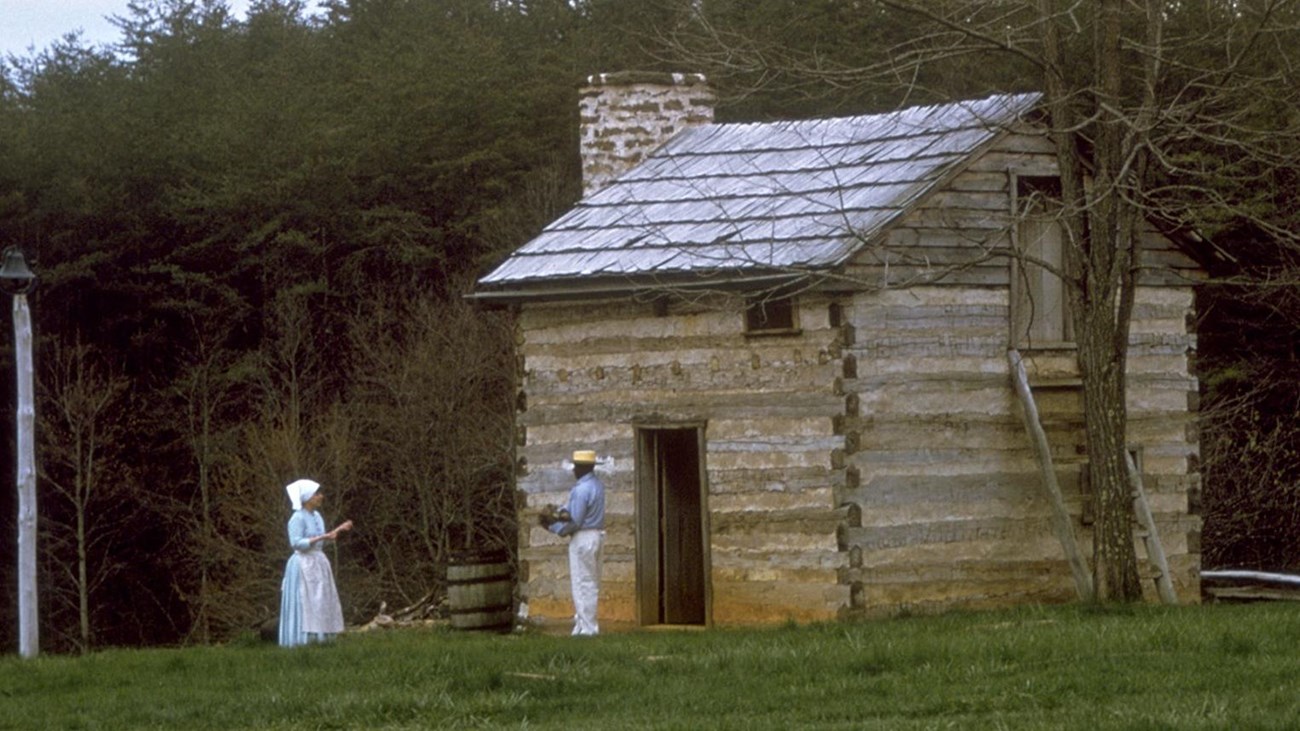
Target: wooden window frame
[[771, 314], [1023, 310]]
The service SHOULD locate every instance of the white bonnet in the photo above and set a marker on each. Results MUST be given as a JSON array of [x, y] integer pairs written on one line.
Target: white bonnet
[[301, 491]]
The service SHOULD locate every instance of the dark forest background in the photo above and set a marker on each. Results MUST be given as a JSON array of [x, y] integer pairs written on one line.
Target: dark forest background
[[253, 237]]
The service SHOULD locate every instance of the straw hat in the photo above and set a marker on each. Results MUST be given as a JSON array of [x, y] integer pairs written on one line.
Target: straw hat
[[584, 456]]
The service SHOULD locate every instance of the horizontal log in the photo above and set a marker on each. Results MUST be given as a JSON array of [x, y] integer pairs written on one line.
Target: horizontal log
[[1172, 278], [908, 234], [713, 356], [636, 380], [982, 181], [748, 543], [1027, 144], [691, 347], [1008, 462], [766, 459], [953, 400], [978, 322], [948, 381], [741, 429], [882, 346], [1042, 165], [1008, 570], [772, 502], [601, 435], [972, 596], [956, 531], [969, 199], [1185, 298], [960, 219], [923, 296], [683, 406], [819, 519], [1161, 367], [894, 433], [1146, 429], [905, 277], [774, 572], [749, 602], [739, 400], [893, 491], [926, 252], [824, 558], [1171, 401], [894, 369], [793, 480], [955, 316]]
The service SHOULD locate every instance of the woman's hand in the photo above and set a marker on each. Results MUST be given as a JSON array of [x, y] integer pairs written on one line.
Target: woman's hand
[[334, 534]]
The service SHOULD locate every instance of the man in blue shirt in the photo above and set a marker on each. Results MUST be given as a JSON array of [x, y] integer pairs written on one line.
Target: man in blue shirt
[[583, 521]]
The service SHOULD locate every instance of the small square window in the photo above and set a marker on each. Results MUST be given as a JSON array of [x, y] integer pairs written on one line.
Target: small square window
[[771, 313]]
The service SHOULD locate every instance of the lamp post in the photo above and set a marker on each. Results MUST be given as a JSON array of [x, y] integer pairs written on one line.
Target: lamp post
[[17, 279]]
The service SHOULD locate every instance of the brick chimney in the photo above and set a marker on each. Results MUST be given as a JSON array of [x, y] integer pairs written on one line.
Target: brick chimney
[[625, 116]]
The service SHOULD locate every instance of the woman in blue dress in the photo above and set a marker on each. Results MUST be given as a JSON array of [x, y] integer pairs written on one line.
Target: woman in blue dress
[[309, 602]]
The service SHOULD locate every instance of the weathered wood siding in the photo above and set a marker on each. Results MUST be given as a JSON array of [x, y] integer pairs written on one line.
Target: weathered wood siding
[[962, 233], [948, 508], [593, 370]]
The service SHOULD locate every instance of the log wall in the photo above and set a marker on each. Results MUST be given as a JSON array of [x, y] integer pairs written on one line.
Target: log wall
[[769, 406], [874, 461], [947, 507]]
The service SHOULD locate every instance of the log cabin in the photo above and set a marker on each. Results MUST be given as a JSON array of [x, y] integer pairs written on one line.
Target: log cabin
[[789, 343]]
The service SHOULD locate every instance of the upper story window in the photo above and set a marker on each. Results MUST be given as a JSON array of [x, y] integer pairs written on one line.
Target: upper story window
[[771, 313], [1040, 315]]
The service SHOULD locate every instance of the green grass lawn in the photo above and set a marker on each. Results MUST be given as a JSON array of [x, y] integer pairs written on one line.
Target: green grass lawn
[[1208, 667]]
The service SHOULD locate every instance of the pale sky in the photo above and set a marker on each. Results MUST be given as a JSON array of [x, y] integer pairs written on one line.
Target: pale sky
[[25, 23]]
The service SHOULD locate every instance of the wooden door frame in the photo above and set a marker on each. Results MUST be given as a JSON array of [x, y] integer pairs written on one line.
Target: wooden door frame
[[645, 593]]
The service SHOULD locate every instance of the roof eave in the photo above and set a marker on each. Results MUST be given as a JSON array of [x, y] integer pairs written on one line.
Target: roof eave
[[577, 288]]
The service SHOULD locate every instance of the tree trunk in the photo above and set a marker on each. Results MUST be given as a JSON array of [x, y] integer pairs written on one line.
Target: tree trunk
[[1100, 230], [1115, 576], [83, 580]]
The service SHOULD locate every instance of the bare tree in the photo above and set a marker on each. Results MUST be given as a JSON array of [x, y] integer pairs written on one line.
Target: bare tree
[[1157, 110], [83, 416], [204, 392], [432, 400], [299, 429]]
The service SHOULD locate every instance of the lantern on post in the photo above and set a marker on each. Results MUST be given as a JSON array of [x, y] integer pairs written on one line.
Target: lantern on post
[[17, 279]]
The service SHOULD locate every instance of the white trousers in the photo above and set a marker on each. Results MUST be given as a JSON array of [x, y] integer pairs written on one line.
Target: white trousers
[[584, 578]]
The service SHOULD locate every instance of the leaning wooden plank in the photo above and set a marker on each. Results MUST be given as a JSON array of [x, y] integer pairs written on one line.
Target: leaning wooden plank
[[1155, 551], [1060, 516]]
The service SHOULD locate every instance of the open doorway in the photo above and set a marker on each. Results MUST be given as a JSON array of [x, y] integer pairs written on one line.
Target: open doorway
[[672, 557]]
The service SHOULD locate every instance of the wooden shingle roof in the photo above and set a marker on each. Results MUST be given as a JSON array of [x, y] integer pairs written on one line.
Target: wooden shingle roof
[[737, 201]]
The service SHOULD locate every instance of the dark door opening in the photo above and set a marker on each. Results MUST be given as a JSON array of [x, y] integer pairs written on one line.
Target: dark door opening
[[672, 527]]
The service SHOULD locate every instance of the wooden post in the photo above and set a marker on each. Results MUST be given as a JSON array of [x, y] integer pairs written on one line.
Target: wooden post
[[1155, 551], [1060, 516], [28, 633]]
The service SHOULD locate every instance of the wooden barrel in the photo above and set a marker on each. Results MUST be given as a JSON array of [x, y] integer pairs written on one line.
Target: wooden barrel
[[480, 591]]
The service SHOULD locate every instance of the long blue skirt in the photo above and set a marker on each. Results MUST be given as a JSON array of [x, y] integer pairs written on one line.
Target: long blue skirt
[[309, 601]]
